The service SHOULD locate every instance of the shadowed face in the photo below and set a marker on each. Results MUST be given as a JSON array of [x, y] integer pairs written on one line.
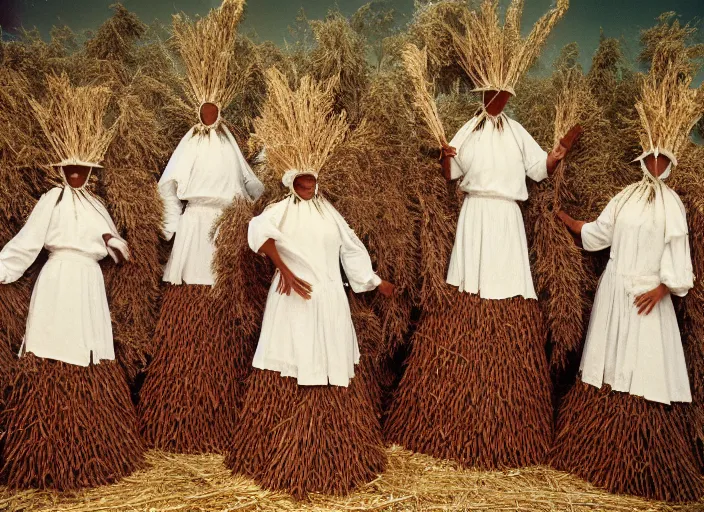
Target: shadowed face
[[305, 186], [76, 175], [209, 113], [495, 101], [656, 166]]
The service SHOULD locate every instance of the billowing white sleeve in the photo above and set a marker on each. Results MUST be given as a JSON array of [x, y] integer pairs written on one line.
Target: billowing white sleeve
[[176, 174], [599, 234], [265, 226], [535, 158], [20, 252], [456, 170], [173, 207], [252, 184], [676, 271], [355, 258]]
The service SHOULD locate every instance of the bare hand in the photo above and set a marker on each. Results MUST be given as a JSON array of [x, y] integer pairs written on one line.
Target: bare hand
[[647, 301], [288, 282], [571, 137], [446, 155], [386, 289], [117, 249]]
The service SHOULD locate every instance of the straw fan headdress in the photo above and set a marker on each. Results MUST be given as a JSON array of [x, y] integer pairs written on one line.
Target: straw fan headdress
[[668, 107], [495, 57], [72, 120], [299, 129], [207, 49]]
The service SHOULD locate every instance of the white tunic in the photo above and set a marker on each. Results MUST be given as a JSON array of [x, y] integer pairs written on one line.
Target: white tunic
[[68, 313], [313, 340], [639, 354], [208, 171], [490, 254]]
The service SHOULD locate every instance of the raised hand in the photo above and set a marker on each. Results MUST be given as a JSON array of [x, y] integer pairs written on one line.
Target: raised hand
[[646, 302]]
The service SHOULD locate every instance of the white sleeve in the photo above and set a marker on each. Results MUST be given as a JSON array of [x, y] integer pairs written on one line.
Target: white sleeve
[[460, 138], [176, 174], [173, 207], [265, 226], [355, 258], [676, 270], [599, 234], [252, 184], [535, 158], [20, 252]]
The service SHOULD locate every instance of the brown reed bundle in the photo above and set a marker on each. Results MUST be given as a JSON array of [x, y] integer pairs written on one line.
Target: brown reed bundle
[[460, 399], [495, 57], [307, 439], [668, 107], [627, 445], [69, 427], [72, 119], [206, 47], [416, 64], [299, 128]]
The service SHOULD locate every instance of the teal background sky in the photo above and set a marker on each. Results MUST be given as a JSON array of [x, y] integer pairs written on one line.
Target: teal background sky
[[270, 19]]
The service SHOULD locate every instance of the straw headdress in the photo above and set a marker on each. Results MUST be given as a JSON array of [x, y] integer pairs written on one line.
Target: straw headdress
[[207, 49], [298, 128], [668, 108], [72, 120], [496, 57]]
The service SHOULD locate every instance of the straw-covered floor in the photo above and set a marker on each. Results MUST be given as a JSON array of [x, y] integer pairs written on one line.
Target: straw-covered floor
[[411, 482]]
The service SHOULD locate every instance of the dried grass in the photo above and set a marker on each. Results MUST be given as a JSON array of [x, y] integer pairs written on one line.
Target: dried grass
[[495, 56], [412, 482], [206, 47], [298, 128], [72, 119]]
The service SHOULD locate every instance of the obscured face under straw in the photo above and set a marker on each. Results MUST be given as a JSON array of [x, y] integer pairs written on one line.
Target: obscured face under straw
[[209, 114], [495, 101], [656, 165], [305, 186], [76, 175]]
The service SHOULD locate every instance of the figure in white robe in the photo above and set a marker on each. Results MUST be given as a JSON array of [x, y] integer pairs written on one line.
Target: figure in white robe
[[640, 354], [490, 254], [69, 319], [207, 171], [312, 340]]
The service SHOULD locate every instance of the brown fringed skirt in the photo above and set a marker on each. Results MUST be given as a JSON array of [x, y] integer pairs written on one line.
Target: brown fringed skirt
[[477, 386], [627, 445], [194, 384], [69, 427], [303, 439]]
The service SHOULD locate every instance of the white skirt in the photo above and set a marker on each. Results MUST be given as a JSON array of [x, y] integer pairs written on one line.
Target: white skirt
[[490, 255], [312, 340], [192, 253], [637, 354], [68, 314]]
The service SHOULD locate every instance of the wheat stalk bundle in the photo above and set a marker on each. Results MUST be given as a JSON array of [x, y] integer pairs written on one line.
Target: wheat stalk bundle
[[72, 120], [299, 128], [495, 57], [416, 63], [206, 47]]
